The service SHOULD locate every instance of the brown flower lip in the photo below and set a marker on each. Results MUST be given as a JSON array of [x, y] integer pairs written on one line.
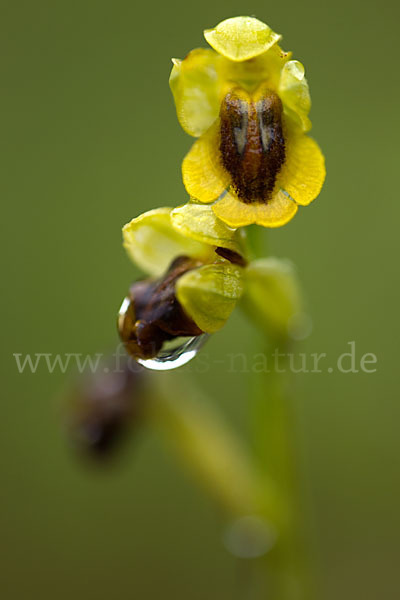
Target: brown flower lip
[[152, 314], [252, 144]]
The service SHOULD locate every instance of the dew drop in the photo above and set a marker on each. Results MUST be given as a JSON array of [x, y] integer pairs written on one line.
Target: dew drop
[[175, 353], [249, 537], [300, 326]]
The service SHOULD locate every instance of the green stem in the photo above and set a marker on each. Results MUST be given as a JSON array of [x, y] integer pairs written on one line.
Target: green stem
[[272, 297], [273, 434], [213, 452], [257, 242]]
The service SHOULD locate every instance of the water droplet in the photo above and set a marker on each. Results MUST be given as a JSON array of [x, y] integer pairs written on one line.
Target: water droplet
[[300, 326], [175, 353], [249, 537]]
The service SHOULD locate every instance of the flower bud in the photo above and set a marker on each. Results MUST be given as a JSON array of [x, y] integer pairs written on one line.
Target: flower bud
[[152, 314], [104, 404], [196, 265], [272, 295]]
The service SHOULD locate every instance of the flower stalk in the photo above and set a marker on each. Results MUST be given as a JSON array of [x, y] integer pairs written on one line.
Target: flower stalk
[[209, 447]]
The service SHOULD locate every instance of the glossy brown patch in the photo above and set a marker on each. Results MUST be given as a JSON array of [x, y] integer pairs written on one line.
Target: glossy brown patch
[[234, 257], [252, 144], [153, 314]]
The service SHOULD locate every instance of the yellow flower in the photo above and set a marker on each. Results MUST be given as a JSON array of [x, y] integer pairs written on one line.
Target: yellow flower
[[195, 263], [248, 103]]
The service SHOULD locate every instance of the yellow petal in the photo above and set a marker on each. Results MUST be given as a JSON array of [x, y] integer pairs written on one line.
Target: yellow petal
[[152, 243], [274, 213], [209, 294], [241, 38], [303, 173], [203, 176], [294, 93], [195, 87], [199, 222]]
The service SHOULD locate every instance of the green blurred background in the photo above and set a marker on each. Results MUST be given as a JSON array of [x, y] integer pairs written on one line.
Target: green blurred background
[[90, 140]]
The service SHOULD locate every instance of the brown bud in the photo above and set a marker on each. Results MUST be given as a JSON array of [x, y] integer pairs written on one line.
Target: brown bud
[[104, 404]]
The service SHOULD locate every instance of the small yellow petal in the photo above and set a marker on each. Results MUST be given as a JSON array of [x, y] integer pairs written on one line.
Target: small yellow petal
[[203, 176], [241, 38], [209, 294], [294, 93], [195, 86], [152, 243], [303, 173], [199, 222], [274, 213]]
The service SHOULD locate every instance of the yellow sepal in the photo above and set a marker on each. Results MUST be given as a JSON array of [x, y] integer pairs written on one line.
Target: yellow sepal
[[241, 38], [152, 242], [209, 294], [198, 221]]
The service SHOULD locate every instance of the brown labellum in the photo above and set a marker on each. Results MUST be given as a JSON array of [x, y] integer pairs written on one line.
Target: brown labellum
[[152, 314], [252, 144]]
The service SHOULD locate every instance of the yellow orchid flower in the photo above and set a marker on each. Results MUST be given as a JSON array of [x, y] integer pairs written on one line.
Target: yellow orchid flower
[[248, 103], [195, 263]]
